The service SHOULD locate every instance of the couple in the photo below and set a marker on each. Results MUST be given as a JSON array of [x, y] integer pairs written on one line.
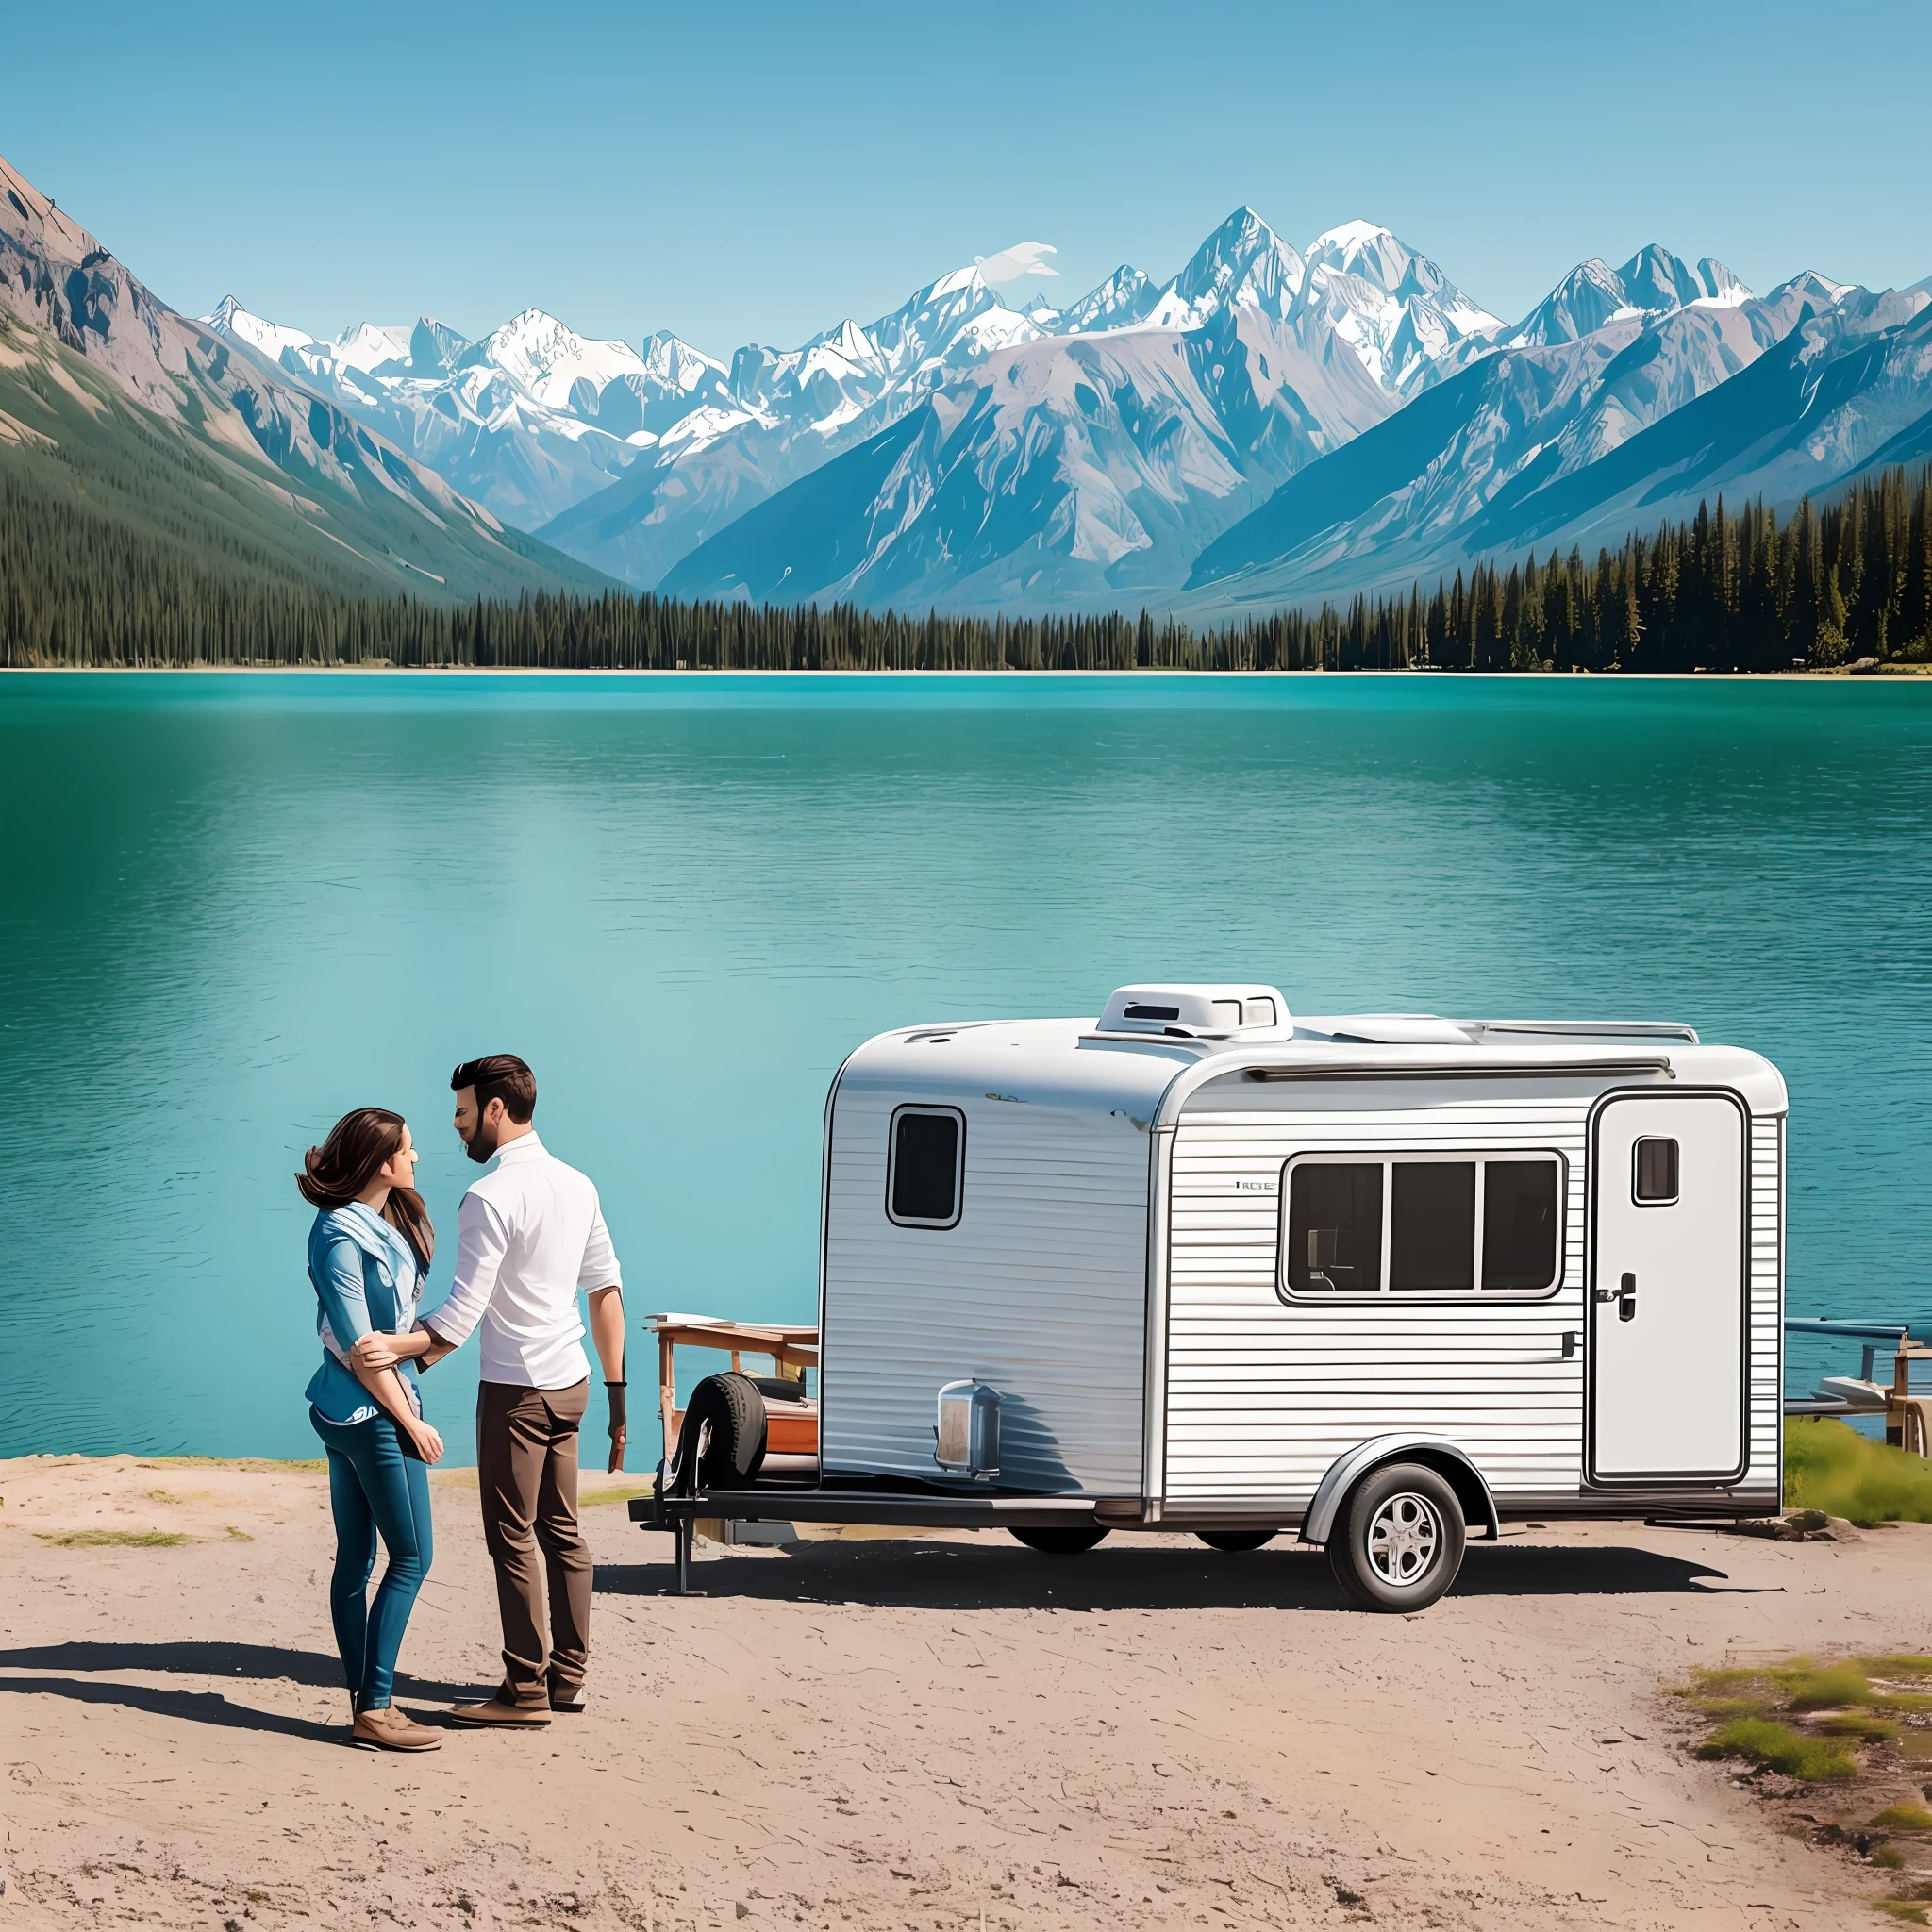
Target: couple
[[529, 1235]]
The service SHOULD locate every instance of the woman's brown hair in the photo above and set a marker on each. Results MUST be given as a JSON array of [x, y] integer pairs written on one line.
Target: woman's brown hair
[[347, 1164]]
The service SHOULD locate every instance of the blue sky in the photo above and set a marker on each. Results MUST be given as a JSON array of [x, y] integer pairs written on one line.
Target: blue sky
[[739, 173]]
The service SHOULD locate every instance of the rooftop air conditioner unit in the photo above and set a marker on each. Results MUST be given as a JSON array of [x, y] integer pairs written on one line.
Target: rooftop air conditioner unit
[[1198, 1012]]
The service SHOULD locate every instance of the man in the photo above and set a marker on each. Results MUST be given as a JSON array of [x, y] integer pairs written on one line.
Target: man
[[530, 1234]]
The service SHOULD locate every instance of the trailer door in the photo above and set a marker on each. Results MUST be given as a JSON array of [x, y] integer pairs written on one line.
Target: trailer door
[[1668, 1336]]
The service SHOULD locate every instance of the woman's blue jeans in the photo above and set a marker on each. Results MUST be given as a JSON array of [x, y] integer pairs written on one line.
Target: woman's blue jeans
[[374, 1487]]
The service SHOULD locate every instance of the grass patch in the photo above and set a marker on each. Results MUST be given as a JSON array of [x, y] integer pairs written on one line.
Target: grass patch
[[114, 1539], [1857, 1725], [589, 1498], [1721, 1710], [1829, 1466], [1895, 1667], [1777, 1747], [240, 1535], [1830, 1689], [1888, 1858], [256, 1465], [1904, 1910], [1729, 1679], [1905, 1817]]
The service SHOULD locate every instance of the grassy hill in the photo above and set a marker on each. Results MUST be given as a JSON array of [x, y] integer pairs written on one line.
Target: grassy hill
[[72, 444]]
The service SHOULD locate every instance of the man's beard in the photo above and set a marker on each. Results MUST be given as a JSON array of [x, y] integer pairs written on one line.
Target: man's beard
[[482, 1143]]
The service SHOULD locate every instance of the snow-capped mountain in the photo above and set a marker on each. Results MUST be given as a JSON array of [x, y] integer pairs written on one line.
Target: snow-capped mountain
[[276, 473], [1271, 423], [1559, 438], [633, 459], [1243, 264], [1592, 293], [532, 418], [1357, 287], [1089, 465], [785, 413], [1290, 362], [1077, 471], [1126, 298]]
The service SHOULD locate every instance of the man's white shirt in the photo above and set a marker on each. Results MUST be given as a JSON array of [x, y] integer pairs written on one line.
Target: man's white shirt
[[529, 1235]]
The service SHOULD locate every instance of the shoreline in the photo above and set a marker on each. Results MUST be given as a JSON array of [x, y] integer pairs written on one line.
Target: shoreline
[[1907, 672]]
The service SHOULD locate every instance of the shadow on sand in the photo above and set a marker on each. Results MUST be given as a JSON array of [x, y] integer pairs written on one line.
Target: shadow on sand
[[997, 1575], [257, 1662]]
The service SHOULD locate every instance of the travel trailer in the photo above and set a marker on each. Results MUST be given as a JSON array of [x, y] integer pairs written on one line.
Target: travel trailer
[[1381, 1279]]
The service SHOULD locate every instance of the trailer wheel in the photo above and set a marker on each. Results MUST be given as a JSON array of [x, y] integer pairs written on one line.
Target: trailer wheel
[[1397, 1543], [731, 1407], [1234, 1541], [1054, 1540]]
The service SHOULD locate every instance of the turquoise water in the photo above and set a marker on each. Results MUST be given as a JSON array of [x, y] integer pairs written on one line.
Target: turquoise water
[[232, 907]]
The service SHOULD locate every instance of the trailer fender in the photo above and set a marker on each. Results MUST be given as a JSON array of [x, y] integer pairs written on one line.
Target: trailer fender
[[1438, 1451]]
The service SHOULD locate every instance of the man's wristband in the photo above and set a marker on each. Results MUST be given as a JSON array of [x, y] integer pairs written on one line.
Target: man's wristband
[[614, 1393]]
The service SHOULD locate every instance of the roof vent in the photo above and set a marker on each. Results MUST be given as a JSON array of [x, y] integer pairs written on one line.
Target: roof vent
[[1396, 1029], [1198, 1012]]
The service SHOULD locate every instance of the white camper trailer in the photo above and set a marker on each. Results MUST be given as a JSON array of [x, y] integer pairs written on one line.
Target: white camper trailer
[[1381, 1279]]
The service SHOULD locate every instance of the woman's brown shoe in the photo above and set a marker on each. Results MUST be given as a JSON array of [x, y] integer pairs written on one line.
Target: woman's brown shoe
[[388, 1729]]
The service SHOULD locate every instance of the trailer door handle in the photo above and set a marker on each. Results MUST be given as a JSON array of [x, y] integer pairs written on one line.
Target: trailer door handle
[[1624, 1296]]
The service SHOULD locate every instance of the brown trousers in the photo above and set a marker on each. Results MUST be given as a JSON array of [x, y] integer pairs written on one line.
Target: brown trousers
[[526, 1469]]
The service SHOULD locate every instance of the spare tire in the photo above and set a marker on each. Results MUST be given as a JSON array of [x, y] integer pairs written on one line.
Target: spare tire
[[777, 1387], [721, 1443]]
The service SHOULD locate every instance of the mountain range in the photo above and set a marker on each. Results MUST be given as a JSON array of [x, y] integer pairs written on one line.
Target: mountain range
[[114, 404], [1272, 426]]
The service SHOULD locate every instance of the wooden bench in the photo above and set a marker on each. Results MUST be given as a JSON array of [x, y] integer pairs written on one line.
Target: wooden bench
[[792, 1429]]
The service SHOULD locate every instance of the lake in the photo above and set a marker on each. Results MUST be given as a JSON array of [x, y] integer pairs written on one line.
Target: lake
[[234, 906]]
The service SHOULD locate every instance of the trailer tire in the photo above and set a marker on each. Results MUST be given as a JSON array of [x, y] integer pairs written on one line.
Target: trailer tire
[[734, 1411], [1398, 1540], [1055, 1540], [1235, 1541]]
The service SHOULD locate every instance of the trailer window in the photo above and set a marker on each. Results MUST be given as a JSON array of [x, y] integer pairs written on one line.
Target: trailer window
[[1432, 1236], [1453, 1226], [927, 1157], [1519, 1225], [1657, 1173], [1334, 1228]]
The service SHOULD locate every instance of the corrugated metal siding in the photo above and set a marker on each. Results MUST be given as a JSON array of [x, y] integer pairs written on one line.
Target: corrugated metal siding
[[1263, 1395], [1040, 1290], [1767, 1303]]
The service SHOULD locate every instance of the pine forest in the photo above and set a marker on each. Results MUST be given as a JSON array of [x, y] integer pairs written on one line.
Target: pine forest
[[1731, 590]]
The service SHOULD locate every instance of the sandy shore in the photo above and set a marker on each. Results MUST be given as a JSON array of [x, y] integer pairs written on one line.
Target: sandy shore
[[944, 1732]]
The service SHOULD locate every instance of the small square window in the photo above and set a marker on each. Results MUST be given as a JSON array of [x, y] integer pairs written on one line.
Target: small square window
[[929, 1147], [1657, 1173]]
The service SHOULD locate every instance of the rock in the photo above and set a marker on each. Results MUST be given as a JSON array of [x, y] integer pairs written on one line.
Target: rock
[[1776, 1528]]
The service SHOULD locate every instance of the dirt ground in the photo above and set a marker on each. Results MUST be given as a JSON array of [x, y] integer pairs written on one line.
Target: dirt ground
[[945, 1732]]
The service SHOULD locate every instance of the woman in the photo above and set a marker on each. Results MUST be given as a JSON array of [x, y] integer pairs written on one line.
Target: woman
[[368, 1253]]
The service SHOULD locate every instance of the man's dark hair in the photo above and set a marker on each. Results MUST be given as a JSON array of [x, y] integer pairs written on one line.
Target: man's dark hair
[[499, 1076]]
